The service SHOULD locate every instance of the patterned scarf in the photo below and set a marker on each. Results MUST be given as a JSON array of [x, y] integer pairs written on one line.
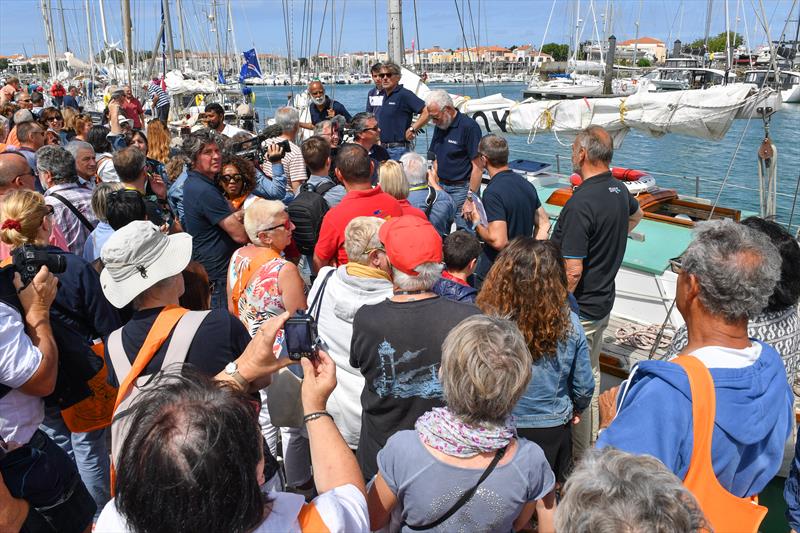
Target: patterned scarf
[[442, 430], [363, 271]]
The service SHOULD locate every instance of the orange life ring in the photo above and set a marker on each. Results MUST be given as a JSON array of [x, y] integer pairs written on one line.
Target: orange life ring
[[627, 174]]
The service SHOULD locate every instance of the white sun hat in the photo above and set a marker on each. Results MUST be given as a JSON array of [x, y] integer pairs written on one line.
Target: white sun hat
[[138, 256]]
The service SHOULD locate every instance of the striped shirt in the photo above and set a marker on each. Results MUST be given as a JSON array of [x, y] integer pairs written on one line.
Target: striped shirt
[[154, 90], [293, 163]]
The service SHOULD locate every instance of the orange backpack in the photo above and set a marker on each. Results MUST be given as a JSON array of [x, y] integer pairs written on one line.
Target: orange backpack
[[723, 510]]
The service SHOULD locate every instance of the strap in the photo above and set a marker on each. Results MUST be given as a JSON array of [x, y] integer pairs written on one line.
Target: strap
[[430, 200], [183, 336], [310, 520], [161, 329], [467, 496], [704, 405], [74, 210], [116, 352], [317, 302]]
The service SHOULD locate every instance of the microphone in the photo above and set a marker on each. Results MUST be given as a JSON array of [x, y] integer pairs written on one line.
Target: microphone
[[431, 159]]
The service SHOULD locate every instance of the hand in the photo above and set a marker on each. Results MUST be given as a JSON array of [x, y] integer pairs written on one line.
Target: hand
[[433, 180], [607, 404], [410, 134], [319, 380], [113, 107], [274, 153], [576, 418], [157, 185], [258, 360], [469, 212], [331, 112], [38, 296]]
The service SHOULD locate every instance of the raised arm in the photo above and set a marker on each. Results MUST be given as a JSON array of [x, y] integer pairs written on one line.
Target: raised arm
[[36, 299]]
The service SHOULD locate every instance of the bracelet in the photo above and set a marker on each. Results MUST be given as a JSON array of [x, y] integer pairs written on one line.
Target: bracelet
[[313, 416]]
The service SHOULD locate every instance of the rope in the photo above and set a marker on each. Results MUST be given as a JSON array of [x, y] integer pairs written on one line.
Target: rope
[[768, 181], [646, 337], [622, 110]]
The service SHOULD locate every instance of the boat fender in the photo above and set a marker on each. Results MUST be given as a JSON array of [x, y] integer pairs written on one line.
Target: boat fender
[[627, 174], [575, 180], [624, 86]]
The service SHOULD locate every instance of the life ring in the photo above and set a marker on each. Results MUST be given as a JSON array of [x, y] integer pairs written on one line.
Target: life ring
[[627, 174], [634, 81]]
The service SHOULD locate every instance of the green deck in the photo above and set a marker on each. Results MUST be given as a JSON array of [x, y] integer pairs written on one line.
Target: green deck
[[662, 241]]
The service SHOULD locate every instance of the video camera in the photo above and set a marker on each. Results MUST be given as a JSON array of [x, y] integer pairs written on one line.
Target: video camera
[[254, 149], [28, 259]]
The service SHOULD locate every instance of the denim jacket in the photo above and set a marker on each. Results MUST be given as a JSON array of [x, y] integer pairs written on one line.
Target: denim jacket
[[559, 385]]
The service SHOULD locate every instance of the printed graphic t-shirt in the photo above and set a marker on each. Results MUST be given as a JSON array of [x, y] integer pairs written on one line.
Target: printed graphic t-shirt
[[397, 346]]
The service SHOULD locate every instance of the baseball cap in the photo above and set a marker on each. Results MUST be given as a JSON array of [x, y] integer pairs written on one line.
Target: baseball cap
[[409, 242], [138, 256]]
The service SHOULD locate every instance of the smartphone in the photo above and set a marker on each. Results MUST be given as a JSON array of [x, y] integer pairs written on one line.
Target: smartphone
[[300, 336]]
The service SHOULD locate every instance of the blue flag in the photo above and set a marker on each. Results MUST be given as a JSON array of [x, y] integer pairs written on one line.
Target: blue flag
[[221, 77], [250, 68]]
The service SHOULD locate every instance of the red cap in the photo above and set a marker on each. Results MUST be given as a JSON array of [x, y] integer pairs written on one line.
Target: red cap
[[410, 241]]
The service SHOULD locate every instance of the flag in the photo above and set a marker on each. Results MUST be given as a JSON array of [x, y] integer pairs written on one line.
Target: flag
[[250, 68], [221, 77]]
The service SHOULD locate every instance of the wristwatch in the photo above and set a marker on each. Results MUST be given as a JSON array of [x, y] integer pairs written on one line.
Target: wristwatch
[[232, 369]]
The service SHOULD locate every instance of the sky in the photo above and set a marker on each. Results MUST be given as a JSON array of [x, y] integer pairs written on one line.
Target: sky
[[260, 23]]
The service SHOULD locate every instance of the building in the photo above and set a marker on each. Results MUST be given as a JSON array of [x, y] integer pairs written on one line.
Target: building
[[648, 47]]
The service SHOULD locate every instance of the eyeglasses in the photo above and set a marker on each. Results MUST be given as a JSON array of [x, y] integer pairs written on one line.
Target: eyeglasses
[[374, 128], [51, 119], [368, 251], [235, 178], [287, 225], [386, 75]]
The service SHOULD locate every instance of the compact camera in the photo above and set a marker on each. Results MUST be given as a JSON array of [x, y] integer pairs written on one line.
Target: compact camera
[[28, 259], [300, 336]]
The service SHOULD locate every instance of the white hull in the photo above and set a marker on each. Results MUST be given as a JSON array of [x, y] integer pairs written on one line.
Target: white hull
[[791, 96]]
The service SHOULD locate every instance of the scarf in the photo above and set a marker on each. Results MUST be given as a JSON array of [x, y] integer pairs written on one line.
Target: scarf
[[442, 430], [363, 271]]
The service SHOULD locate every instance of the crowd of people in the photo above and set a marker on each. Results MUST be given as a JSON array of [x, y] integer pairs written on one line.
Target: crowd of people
[[153, 285]]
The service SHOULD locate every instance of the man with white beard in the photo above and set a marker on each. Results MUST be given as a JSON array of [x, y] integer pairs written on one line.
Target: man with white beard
[[455, 143], [322, 107]]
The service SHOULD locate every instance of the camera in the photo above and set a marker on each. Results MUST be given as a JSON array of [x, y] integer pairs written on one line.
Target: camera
[[285, 146], [28, 259], [300, 336]]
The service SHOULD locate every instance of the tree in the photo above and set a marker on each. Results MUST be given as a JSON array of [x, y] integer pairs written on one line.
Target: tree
[[717, 44], [3, 64], [643, 62], [559, 52]]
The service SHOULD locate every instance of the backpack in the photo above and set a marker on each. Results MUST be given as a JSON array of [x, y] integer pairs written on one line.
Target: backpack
[[306, 212]]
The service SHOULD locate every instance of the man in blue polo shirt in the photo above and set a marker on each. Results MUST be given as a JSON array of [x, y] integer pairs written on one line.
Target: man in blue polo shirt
[[455, 143], [322, 107], [398, 107], [374, 99]]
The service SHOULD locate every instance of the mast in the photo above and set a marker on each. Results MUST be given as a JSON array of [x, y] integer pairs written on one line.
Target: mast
[[91, 48], [232, 32], [168, 29], [395, 18], [48, 31], [126, 27], [636, 41], [708, 29], [183, 36], [215, 29], [63, 27]]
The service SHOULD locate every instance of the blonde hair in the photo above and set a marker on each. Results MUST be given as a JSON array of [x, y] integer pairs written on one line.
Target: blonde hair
[[28, 209], [360, 235], [158, 140], [69, 115], [80, 123], [261, 214], [392, 179], [100, 198]]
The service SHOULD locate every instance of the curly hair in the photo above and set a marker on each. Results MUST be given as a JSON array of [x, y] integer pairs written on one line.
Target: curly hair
[[528, 284], [158, 139], [245, 168]]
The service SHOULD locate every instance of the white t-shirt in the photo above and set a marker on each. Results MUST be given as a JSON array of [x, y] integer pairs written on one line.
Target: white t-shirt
[[20, 413], [343, 509], [105, 168], [230, 131]]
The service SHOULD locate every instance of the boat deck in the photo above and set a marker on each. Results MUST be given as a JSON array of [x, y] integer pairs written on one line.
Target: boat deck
[[617, 358]]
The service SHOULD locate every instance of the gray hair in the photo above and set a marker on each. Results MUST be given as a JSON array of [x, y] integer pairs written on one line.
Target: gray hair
[[359, 122], [486, 367], [319, 127], [735, 266], [611, 491], [287, 118], [427, 275], [261, 214], [415, 167], [22, 115], [495, 148], [73, 147], [393, 68], [597, 142], [194, 143], [100, 198], [58, 162], [440, 98], [361, 235]]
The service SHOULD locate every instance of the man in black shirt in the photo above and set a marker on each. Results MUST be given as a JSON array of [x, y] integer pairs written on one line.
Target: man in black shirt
[[512, 205], [592, 231], [397, 344]]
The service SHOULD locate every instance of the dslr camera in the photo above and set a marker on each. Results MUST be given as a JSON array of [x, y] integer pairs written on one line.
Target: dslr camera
[[28, 259]]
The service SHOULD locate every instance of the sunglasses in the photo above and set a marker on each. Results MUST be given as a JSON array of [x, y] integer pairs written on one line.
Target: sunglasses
[[235, 178], [51, 119], [386, 75], [375, 128], [286, 225]]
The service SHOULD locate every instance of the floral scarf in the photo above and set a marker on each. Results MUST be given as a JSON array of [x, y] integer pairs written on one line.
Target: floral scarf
[[442, 430]]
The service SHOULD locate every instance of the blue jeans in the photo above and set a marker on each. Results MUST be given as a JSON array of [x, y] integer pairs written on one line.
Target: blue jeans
[[88, 450], [219, 296], [396, 152], [459, 195]]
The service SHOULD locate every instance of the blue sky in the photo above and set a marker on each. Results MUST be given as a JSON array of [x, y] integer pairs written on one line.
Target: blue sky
[[260, 23]]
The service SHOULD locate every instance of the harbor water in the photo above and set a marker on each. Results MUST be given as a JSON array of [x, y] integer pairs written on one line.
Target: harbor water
[[693, 166]]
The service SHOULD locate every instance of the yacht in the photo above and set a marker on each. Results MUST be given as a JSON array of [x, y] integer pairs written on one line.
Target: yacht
[[787, 82], [683, 73]]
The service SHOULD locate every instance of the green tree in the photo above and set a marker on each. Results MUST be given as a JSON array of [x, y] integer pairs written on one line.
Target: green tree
[[3, 64], [559, 52], [717, 43], [643, 62]]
